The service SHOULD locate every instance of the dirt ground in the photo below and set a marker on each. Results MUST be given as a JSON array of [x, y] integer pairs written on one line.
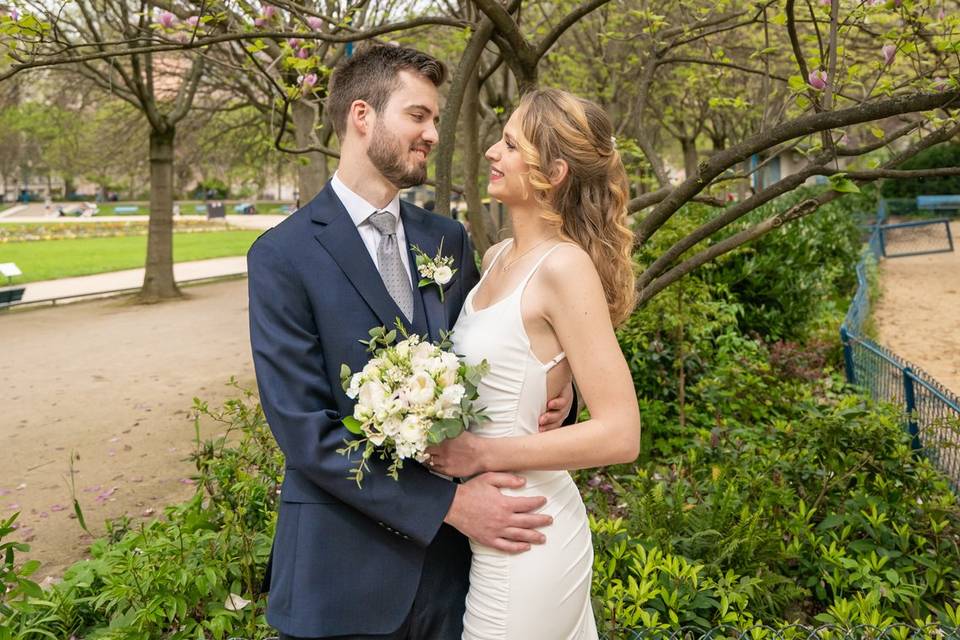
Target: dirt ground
[[918, 314], [113, 383]]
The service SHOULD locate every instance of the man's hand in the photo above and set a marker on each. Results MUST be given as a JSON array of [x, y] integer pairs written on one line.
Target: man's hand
[[557, 409], [488, 517]]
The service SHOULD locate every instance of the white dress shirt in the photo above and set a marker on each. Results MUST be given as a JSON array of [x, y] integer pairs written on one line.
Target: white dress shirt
[[360, 210]]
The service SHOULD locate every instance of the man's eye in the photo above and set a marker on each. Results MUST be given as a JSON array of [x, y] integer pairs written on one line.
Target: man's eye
[[418, 117]]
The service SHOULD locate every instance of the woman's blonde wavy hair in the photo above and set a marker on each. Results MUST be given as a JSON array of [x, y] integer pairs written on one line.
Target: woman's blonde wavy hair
[[590, 205]]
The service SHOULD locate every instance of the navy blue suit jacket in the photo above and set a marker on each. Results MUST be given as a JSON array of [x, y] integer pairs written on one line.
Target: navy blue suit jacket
[[346, 560]]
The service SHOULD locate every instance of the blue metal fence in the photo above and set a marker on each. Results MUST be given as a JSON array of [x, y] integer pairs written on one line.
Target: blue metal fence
[[931, 412]]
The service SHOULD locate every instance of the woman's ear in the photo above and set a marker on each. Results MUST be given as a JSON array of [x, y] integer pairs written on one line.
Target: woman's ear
[[558, 172]]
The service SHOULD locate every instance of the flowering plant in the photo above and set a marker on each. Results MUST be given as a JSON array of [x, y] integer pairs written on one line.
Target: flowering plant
[[436, 270], [410, 395]]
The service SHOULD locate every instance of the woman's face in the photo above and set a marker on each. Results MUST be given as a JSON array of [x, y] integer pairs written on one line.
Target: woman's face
[[509, 174]]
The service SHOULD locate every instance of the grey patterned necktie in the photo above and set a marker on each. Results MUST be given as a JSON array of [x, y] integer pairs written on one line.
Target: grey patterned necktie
[[391, 266]]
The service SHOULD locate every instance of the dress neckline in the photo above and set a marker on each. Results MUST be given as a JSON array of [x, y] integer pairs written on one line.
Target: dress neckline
[[520, 286]]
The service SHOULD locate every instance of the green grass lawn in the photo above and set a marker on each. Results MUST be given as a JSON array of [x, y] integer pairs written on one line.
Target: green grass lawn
[[51, 259]]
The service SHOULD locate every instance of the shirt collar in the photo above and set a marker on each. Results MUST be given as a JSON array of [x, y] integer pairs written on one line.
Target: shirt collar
[[358, 208]]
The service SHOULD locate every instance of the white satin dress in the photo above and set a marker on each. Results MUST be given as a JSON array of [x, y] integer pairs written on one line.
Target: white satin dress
[[544, 593]]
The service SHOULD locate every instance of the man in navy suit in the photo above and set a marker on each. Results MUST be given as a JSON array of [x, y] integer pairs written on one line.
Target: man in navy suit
[[389, 560]]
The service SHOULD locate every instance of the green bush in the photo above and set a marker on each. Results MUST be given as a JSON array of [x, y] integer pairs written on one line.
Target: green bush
[[194, 574], [795, 519], [946, 154], [788, 279]]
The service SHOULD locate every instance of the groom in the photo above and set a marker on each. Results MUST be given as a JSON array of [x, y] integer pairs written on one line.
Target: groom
[[389, 560]]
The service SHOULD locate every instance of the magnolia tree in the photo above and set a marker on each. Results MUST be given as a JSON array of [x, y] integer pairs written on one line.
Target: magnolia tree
[[852, 88]]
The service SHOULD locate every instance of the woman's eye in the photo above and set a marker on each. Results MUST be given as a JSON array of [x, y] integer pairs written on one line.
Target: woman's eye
[[509, 146]]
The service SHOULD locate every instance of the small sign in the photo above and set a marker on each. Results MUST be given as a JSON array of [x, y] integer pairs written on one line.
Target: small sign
[[9, 270]]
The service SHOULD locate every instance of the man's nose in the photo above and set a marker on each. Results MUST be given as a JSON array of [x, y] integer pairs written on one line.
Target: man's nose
[[431, 135]]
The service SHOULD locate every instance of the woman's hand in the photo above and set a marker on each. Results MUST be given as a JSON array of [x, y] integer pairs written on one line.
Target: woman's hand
[[460, 457]]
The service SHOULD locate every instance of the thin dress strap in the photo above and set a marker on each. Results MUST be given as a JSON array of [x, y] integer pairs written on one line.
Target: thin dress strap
[[557, 359], [496, 257]]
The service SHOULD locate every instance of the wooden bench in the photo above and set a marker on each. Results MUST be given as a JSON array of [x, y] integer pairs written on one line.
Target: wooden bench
[[9, 295], [939, 203]]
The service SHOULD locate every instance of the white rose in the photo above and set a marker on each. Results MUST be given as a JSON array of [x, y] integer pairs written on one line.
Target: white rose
[[442, 274], [434, 365], [391, 427], [403, 349], [421, 354], [371, 370], [377, 438], [354, 388], [411, 429], [421, 388], [452, 395], [373, 395]]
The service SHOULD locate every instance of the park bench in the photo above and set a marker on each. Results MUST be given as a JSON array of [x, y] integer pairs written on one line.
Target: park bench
[[9, 295], [939, 203], [126, 209]]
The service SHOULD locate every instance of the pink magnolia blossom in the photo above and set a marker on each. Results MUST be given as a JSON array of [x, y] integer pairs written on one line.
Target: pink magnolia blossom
[[889, 53], [314, 23], [940, 84], [193, 21], [303, 54], [269, 11], [259, 22], [294, 43], [167, 19], [308, 81], [941, 15], [818, 79]]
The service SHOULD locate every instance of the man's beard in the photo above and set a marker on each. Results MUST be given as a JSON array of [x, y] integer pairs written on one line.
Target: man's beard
[[387, 154]]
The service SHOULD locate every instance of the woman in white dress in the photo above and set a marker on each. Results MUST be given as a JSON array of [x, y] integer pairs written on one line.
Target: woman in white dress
[[544, 312]]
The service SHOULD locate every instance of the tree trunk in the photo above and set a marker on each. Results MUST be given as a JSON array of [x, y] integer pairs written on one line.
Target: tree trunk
[[158, 282], [690, 159], [477, 216], [311, 175]]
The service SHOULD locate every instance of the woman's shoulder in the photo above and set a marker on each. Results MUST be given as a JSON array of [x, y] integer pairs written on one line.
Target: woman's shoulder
[[491, 253], [567, 259]]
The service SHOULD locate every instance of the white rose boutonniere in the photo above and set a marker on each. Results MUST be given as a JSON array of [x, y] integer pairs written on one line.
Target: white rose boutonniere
[[436, 270]]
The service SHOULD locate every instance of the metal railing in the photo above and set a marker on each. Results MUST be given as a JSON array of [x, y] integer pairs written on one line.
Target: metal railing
[[915, 238], [931, 412]]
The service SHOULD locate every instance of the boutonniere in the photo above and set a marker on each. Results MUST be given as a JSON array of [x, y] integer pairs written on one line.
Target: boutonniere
[[435, 270]]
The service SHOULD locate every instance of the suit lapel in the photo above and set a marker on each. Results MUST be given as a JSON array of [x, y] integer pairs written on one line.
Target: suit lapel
[[416, 227], [342, 241]]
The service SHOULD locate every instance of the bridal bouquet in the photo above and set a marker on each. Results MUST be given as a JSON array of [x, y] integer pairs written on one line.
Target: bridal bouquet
[[410, 395]]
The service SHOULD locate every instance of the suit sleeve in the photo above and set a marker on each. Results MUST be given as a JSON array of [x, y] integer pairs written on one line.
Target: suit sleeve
[[298, 402]]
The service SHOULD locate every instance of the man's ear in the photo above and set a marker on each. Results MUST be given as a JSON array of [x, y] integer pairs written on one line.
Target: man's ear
[[558, 172], [361, 116]]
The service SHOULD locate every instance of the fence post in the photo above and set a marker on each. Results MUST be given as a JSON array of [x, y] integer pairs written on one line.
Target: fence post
[[910, 399], [949, 235], [847, 354], [883, 245]]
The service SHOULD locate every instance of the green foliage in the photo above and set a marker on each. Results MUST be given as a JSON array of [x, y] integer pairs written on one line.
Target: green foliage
[[193, 574], [793, 519], [786, 279], [767, 491], [946, 154]]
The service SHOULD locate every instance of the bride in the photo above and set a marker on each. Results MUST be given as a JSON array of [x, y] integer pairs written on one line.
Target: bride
[[543, 313]]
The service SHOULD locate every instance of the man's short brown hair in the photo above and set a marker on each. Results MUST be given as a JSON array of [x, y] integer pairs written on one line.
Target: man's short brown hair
[[371, 75]]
